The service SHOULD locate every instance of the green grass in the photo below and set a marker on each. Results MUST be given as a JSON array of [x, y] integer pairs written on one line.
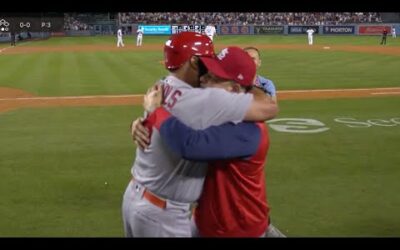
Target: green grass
[[342, 182], [302, 39], [73, 73], [86, 40], [130, 72], [243, 39], [333, 69], [54, 168]]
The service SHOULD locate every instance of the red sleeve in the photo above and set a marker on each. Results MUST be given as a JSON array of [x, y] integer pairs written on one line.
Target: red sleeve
[[156, 119]]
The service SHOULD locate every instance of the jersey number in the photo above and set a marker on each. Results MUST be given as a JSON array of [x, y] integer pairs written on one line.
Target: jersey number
[[173, 98]]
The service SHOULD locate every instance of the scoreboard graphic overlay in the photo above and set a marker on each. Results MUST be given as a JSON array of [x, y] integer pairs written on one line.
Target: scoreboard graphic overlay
[[31, 24]]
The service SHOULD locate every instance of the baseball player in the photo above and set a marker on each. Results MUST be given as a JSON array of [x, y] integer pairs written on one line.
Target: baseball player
[[246, 144], [139, 37], [164, 187], [12, 35], [119, 38], [393, 32], [384, 36], [265, 84], [210, 31], [310, 33]]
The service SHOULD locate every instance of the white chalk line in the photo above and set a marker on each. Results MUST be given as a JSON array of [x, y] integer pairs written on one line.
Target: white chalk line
[[386, 93], [69, 97], [21, 44], [335, 90], [140, 95], [3, 49]]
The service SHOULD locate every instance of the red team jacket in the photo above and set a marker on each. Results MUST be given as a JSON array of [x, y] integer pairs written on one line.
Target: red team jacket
[[234, 201]]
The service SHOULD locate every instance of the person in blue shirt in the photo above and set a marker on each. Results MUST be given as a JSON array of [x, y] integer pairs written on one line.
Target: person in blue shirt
[[265, 84]]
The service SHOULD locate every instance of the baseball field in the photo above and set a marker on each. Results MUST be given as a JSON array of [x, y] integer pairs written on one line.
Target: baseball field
[[66, 104]]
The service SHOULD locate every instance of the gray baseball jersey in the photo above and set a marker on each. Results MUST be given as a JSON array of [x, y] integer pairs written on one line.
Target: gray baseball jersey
[[167, 174]]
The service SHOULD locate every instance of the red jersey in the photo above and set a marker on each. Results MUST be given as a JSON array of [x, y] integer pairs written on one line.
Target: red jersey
[[234, 200]]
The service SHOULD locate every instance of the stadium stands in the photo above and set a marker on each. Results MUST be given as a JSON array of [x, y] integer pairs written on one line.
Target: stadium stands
[[249, 18]]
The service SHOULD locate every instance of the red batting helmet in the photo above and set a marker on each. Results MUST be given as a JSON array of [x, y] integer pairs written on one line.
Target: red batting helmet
[[180, 47]]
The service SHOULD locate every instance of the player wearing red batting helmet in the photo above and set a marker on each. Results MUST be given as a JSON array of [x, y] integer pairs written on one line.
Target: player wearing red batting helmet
[[181, 53], [180, 47]]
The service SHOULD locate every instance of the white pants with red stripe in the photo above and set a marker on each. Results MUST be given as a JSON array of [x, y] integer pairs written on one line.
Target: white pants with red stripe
[[143, 219]]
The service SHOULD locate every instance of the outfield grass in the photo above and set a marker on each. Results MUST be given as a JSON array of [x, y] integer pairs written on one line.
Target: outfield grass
[[329, 69], [74, 73], [302, 39], [130, 72], [243, 39]]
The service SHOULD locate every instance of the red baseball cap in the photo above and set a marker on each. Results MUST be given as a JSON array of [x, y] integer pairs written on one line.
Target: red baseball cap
[[232, 63]]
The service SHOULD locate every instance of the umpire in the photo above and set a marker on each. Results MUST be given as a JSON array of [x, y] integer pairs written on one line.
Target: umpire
[[384, 35]]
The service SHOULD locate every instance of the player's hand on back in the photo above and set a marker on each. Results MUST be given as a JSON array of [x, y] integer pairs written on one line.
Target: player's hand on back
[[153, 98], [140, 134], [258, 92]]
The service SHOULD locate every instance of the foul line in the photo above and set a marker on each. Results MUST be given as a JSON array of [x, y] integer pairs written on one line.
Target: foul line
[[3, 49], [333, 90], [20, 44], [386, 93], [141, 95], [68, 97]]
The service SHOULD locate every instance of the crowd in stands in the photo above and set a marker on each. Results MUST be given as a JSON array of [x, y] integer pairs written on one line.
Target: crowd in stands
[[85, 21], [249, 18], [76, 22], [82, 21]]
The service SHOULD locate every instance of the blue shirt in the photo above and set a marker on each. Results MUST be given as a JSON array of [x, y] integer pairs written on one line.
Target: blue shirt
[[266, 84]]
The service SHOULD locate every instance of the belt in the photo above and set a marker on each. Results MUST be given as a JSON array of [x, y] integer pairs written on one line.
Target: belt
[[160, 202], [153, 199]]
